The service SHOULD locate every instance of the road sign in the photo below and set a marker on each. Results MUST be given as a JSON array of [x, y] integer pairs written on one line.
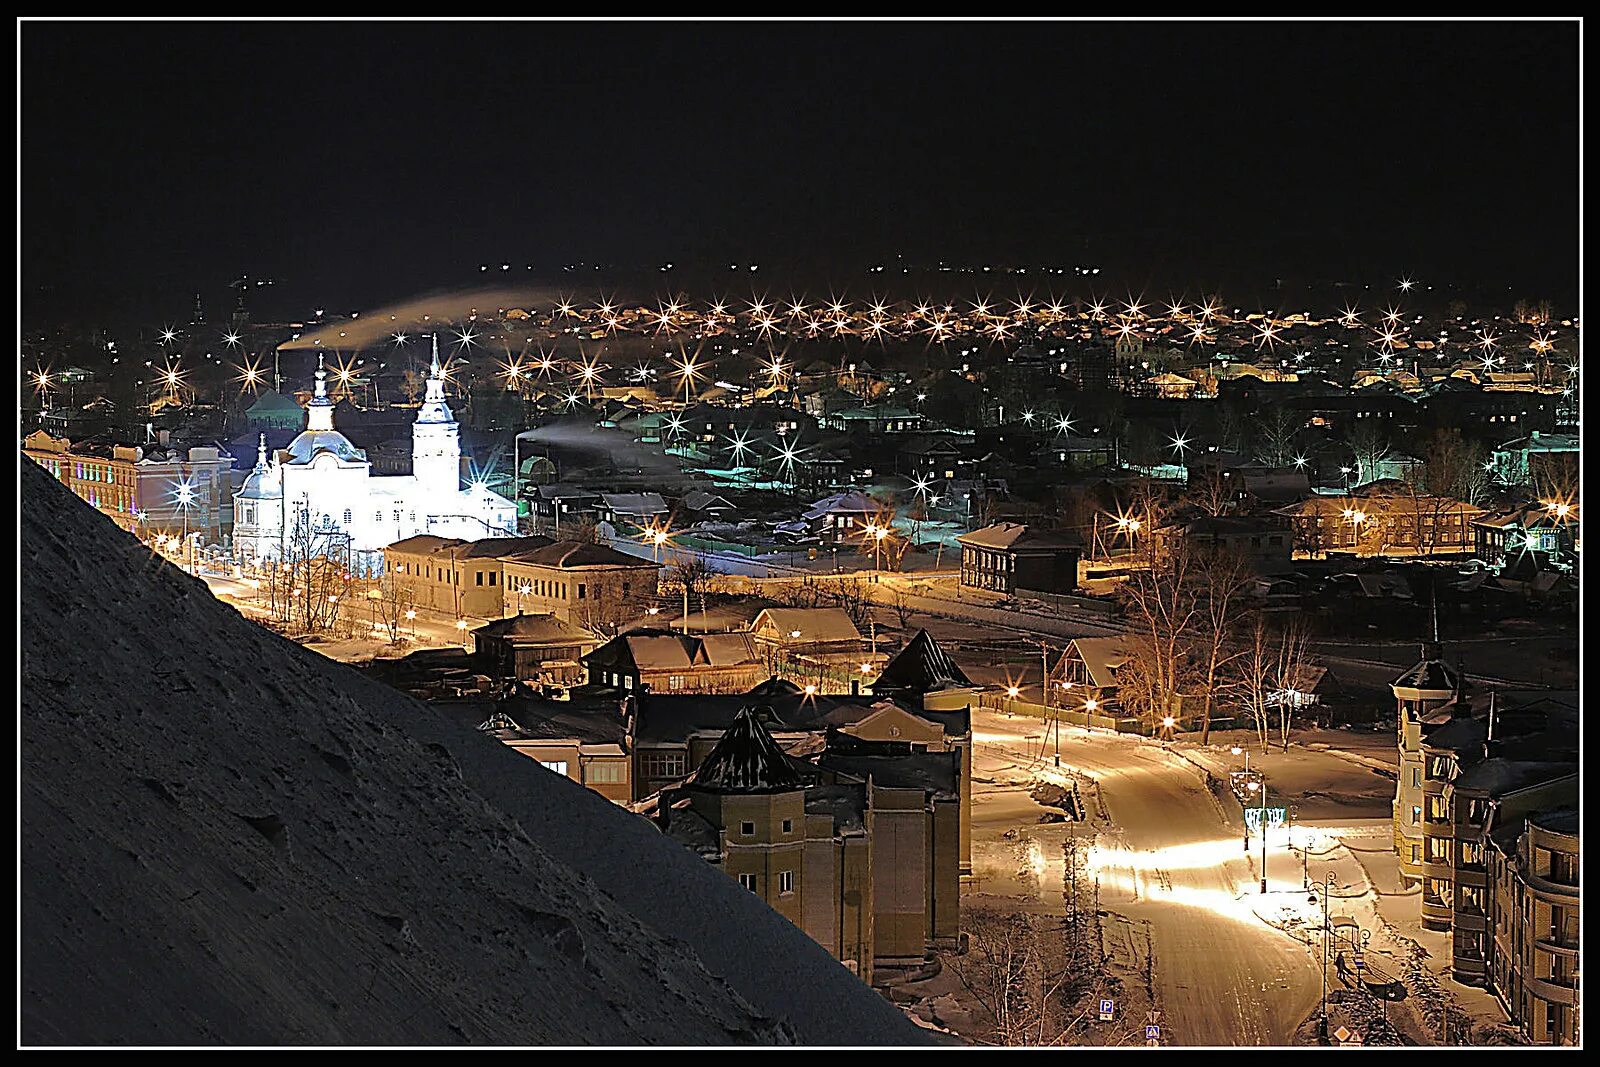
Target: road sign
[[1275, 818], [1361, 960], [1108, 1010], [1342, 1034], [1152, 1032]]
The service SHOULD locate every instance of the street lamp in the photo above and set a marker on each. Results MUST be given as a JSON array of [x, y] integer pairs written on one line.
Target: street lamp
[[1327, 887], [1260, 787]]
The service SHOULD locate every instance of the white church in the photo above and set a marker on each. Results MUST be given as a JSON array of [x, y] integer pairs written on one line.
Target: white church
[[321, 490]]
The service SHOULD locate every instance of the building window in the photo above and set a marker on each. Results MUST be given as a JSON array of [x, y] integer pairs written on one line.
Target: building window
[[609, 772], [786, 882], [748, 881], [582, 590], [674, 681], [788, 826], [747, 829], [662, 764], [347, 516], [1416, 815], [479, 575], [559, 766]]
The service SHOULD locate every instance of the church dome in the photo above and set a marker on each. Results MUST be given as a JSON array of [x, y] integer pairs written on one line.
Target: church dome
[[259, 485], [311, 443]]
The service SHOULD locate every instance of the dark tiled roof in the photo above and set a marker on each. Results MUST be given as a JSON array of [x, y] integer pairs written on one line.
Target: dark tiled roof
[[921, 667], [747, 760], [570, 554], [535, 627]]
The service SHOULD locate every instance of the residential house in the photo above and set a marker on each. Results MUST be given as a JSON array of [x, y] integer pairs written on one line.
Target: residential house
[[591, 750], [667, 662], [1537, 460], [1547, 532], [537, 650], [842, 517], [1010, 557]]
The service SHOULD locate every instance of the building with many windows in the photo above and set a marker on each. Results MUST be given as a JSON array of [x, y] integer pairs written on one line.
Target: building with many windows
[[147, 489], [1533, 898], [1009, 557]]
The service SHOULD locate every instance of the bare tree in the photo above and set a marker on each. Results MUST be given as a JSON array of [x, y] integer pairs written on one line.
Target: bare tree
[[900, 604], [309, 587], [1019, 968], [1212, 493], [1369, 447], [1224, 579], [850, 596], [1272, 675], [390, 607], [692, 577], [1274, 439], [1164, 604]]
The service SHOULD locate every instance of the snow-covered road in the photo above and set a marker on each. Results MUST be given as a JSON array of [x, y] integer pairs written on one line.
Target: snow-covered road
[[1169, 859]]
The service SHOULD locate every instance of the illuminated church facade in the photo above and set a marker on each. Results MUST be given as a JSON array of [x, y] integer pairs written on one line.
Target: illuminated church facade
[[319, 494]]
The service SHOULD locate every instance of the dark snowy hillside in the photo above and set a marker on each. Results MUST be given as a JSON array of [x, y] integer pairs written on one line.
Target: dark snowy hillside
[[227, 838]]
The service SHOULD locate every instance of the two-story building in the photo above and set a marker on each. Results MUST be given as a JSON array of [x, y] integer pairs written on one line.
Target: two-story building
[[1011, 557]]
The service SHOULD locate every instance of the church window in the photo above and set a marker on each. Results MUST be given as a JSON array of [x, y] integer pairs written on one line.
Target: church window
[[413, 516], [377, 516], [347, 516]]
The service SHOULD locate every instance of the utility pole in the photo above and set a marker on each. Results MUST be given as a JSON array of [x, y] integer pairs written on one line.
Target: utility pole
[[1263, 835]]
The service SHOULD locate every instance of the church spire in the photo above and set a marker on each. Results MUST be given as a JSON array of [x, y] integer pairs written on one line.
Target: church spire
[[261, 454], [434, 403], [319, 413]]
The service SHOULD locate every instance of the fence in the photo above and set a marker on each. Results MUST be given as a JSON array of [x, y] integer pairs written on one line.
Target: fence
[[1120, 724]]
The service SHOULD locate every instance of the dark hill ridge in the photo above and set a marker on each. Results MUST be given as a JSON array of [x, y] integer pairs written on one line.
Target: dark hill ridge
[[227, 838]]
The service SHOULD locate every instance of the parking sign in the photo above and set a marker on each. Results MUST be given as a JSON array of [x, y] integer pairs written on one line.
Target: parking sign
[[1108, 1010]]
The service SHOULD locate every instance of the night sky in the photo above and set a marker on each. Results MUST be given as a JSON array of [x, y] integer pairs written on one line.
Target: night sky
[[363, 163]]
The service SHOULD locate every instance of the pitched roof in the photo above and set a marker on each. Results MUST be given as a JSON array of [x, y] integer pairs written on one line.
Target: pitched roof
[[635, 503], [1016, 535], [747, 760], [535, 627], [921, 667], [815, 624], [657, 650], [568, 555], [1101, 657]]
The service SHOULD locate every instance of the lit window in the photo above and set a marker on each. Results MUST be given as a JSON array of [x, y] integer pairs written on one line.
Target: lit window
[[786, 882]]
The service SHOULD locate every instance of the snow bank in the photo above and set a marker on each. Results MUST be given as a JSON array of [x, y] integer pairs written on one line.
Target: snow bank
[[227, 838]]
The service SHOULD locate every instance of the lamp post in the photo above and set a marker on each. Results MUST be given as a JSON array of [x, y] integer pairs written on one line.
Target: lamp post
[[1260, 787], [1327, 887], [1236, 751]]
